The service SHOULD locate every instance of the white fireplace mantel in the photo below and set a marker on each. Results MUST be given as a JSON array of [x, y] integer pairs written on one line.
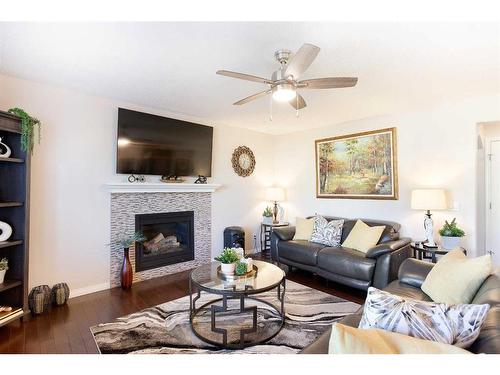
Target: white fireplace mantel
[[160, 187]]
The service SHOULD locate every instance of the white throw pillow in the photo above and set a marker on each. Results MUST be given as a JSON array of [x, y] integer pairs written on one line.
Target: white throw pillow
[[458, 325], [303, 229], [456, 278], [327, 232]]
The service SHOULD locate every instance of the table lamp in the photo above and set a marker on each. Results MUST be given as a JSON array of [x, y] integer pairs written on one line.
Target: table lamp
[[428, 199], [275, 194]]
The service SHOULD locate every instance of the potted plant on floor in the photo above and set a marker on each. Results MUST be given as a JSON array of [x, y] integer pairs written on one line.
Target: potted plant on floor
[[228, 258], [451, 234], [267, 216], [4, 266], [125, 242]]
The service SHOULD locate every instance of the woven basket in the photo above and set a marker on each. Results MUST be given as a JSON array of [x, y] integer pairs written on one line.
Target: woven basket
[[60, 294], [39, 299]]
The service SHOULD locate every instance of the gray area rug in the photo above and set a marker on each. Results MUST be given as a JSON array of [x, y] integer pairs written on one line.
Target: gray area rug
[[165, 329]]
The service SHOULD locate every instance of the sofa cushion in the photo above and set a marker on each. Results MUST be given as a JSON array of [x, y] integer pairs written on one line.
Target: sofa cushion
[[450, 324], [456, 278], [390, 233], [300, 251], [401, 289], [346, 262], [303, 229], [327, 232], [349, 340], [363, 237]]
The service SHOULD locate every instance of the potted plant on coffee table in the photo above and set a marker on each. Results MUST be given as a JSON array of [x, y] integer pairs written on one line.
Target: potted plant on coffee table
[[228, 259], [4, 266], [451, 234], [125, 242]]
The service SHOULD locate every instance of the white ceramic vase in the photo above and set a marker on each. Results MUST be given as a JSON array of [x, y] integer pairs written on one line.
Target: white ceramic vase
[[267, 220], [5, 231], [228, 268], [2, 276], [449, 243]]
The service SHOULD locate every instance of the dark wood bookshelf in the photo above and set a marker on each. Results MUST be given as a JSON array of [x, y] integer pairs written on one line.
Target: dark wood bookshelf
[[14, 210]]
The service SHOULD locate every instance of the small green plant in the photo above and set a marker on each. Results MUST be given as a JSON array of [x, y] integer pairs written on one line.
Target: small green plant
[[4, 264], [28, 124], [241, 268], [227, 256], [268, 212], [451, 229], [128, 240]]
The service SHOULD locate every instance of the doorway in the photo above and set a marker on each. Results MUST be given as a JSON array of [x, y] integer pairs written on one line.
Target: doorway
[[489, 198]]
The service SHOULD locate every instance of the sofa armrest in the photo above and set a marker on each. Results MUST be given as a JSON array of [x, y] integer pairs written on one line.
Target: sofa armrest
[[387, 247], [413, 272], [280, 234], [285, 233]]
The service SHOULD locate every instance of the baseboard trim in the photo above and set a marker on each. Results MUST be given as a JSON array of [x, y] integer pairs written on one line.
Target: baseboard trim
[[89, 289]]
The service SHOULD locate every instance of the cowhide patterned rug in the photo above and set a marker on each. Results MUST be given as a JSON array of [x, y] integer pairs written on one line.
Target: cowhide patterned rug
[[165, 329]]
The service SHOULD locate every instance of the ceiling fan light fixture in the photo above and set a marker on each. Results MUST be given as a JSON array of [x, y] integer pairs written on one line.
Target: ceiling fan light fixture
[[284, 92]]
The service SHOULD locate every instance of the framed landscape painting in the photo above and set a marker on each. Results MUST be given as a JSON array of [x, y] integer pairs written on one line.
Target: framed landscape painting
[[362, 165]]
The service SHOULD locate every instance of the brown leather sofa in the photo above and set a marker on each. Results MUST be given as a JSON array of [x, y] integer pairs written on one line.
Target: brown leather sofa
[[378, 267], [411, 276]]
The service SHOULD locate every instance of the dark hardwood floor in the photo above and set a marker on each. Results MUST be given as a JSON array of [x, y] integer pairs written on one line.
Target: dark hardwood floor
[[65, 329]]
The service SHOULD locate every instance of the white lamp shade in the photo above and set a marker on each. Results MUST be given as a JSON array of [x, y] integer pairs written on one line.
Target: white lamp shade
[[428, 199], [275, 194]]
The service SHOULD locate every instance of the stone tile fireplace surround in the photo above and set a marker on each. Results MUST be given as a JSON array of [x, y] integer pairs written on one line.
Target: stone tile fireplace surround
[[127, 200]]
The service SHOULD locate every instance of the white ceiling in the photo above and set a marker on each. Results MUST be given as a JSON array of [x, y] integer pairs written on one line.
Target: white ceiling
[[172, 66]]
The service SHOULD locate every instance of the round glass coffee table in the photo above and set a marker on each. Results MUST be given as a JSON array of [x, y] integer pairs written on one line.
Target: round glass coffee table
[[234, 314]]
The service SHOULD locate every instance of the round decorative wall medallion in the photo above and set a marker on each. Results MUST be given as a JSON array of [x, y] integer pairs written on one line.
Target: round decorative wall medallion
[[243, 161]]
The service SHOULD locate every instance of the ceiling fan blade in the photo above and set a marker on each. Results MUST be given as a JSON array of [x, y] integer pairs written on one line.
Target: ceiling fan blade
[[328, 83], [252, 97], [246, 77], [298, 102], [302, 59]]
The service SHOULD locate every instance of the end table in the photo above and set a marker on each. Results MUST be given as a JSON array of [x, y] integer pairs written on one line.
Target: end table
[[265, 234], [421, 252]]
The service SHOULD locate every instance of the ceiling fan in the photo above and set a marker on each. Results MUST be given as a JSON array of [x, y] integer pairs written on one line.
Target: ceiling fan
[[284, 83]]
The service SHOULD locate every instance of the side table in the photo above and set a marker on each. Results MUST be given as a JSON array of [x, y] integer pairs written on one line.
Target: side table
[[421, 252], [265, 234]]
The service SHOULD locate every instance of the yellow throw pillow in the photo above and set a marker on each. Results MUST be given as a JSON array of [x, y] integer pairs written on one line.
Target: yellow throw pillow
[[303, 229], [363, 237], [455, 278], [349, 340]]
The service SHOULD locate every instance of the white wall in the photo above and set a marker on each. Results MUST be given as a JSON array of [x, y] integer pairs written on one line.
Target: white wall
[[70, 211], [436, 148]]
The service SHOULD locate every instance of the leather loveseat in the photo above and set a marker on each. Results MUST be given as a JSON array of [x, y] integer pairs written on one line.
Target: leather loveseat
[[411, 277], [378, 267]]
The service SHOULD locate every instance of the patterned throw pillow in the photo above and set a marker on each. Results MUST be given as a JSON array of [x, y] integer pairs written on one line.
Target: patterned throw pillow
[[458, 325], [327, 232]]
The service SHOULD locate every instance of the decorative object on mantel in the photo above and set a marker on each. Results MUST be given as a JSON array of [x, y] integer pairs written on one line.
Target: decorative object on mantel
[[201, 180], [428, 199], [275, 194], [125, 241], [4, 266], [228, 259], [243, 161], [28, 124], [5, 150], [267, 216], [60, 294], [358, 166], [172, 179], [5, 231], [136, 178], [39, 299], [451, 234]]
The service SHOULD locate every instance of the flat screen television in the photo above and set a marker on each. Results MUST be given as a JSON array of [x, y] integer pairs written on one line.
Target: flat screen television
[[154, 145]]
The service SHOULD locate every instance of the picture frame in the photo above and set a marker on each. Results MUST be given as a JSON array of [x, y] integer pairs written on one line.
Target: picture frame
[[358, 166]]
